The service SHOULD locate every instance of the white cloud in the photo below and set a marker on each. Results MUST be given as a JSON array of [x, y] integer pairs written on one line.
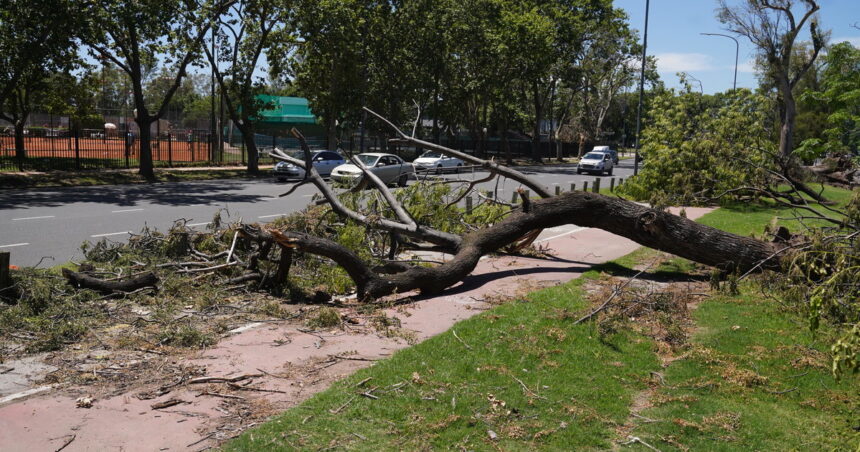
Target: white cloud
[[854, 40], [683, 62], [747, 67]]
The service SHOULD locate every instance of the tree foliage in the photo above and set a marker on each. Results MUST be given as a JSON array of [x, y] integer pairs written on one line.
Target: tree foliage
[[698, 147], [839, 95], [137, 36]]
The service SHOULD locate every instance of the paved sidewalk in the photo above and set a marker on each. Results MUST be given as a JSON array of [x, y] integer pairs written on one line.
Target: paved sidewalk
[[123, 422]]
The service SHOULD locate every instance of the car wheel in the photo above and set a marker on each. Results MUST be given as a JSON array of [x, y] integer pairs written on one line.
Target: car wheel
[[458, 168], [402, 181], [610, 170], [439, 169], [578, 171], [282, 179]]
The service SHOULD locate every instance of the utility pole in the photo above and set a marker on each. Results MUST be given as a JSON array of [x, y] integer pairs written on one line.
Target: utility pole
[[641, 90], [737, 51]]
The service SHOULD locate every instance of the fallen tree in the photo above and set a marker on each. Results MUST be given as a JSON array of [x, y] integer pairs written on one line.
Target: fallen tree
[[650, 227]]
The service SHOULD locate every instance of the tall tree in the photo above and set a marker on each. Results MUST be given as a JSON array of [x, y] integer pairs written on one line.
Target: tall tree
[[773, 26], [604, 71], [332, 61], [839, 94], [35, 41], [136, 35], [251, 28]]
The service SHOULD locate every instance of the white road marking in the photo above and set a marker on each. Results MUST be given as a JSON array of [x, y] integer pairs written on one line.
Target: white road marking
[[110, 233], [125, 210], [270, 199], [242, 329], [272, 216], [26, 393], [33, 218], [14, 244], [307, 196], [198, 224], [560, 235]]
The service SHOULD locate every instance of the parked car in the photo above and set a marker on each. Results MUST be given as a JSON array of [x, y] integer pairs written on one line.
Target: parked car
[[438, 162], [595, 162], [389, 168], [607, 149], [324, 162]]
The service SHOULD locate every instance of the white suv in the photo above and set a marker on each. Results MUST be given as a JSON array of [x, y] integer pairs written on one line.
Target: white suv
[[596, 162]]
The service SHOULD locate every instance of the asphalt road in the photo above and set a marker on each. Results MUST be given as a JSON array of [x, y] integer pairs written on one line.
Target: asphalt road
[[46, 227]]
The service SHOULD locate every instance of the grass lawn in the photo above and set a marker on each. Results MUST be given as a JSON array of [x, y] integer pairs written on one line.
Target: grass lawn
[[522, 376]]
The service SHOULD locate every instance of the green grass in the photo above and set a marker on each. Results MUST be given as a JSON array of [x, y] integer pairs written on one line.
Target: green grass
[[755, 379], [748, 219], [451, 395]]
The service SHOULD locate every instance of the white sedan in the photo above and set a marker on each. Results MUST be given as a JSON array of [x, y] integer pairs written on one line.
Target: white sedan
[[324, 162], [389, 168], [438, 162]]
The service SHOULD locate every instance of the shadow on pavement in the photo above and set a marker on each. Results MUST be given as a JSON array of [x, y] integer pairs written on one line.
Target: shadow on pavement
[[170, 194]]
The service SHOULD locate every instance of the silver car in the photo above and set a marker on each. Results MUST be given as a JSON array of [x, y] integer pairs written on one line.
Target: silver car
[[324, 162], [389, 168], [595, 162]]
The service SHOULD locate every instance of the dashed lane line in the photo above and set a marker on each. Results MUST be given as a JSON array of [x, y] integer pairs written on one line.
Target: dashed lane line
[[560, 235], [125, 210], [33, 218], [13, 245], [272, 216], [110, 234]]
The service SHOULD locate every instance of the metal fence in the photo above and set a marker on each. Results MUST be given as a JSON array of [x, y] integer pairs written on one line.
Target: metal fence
[[57, 148], [47, 149]]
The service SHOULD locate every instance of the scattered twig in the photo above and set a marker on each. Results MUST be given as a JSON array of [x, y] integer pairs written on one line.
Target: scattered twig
[[250, 388], [218, 394], [222, 379], [340, 408], [636, 439], [369, 393], [362, 382], [781, 392], [167, 403], [615, 293], [527, 390], [66, 444], [468, 347], [201, 439]]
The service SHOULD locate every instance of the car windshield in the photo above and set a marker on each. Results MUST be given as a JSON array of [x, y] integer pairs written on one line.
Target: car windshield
[[366, 159], [594, 156], [431, 155]]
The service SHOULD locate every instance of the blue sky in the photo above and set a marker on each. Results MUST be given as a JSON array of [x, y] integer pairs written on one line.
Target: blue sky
[[673, 37]]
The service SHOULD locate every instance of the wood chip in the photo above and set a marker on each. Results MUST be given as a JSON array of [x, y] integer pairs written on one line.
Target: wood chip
[[167, 403]]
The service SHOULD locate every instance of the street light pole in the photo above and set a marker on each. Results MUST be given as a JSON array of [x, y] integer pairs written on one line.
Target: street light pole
[[641, 90], [737, 51]]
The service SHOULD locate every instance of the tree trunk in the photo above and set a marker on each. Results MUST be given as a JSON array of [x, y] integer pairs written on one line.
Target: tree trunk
[[82, 280], [538, 106], [331, 133], [789, 117], [506, 145], [646, 226], [247, 130], [20, 149], [144, 122]]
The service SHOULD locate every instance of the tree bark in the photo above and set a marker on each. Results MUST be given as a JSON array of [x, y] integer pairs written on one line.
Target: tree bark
[[83, 281], [144, 122], [538, 106], [646, 226], [247, 129], [20, 149]]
